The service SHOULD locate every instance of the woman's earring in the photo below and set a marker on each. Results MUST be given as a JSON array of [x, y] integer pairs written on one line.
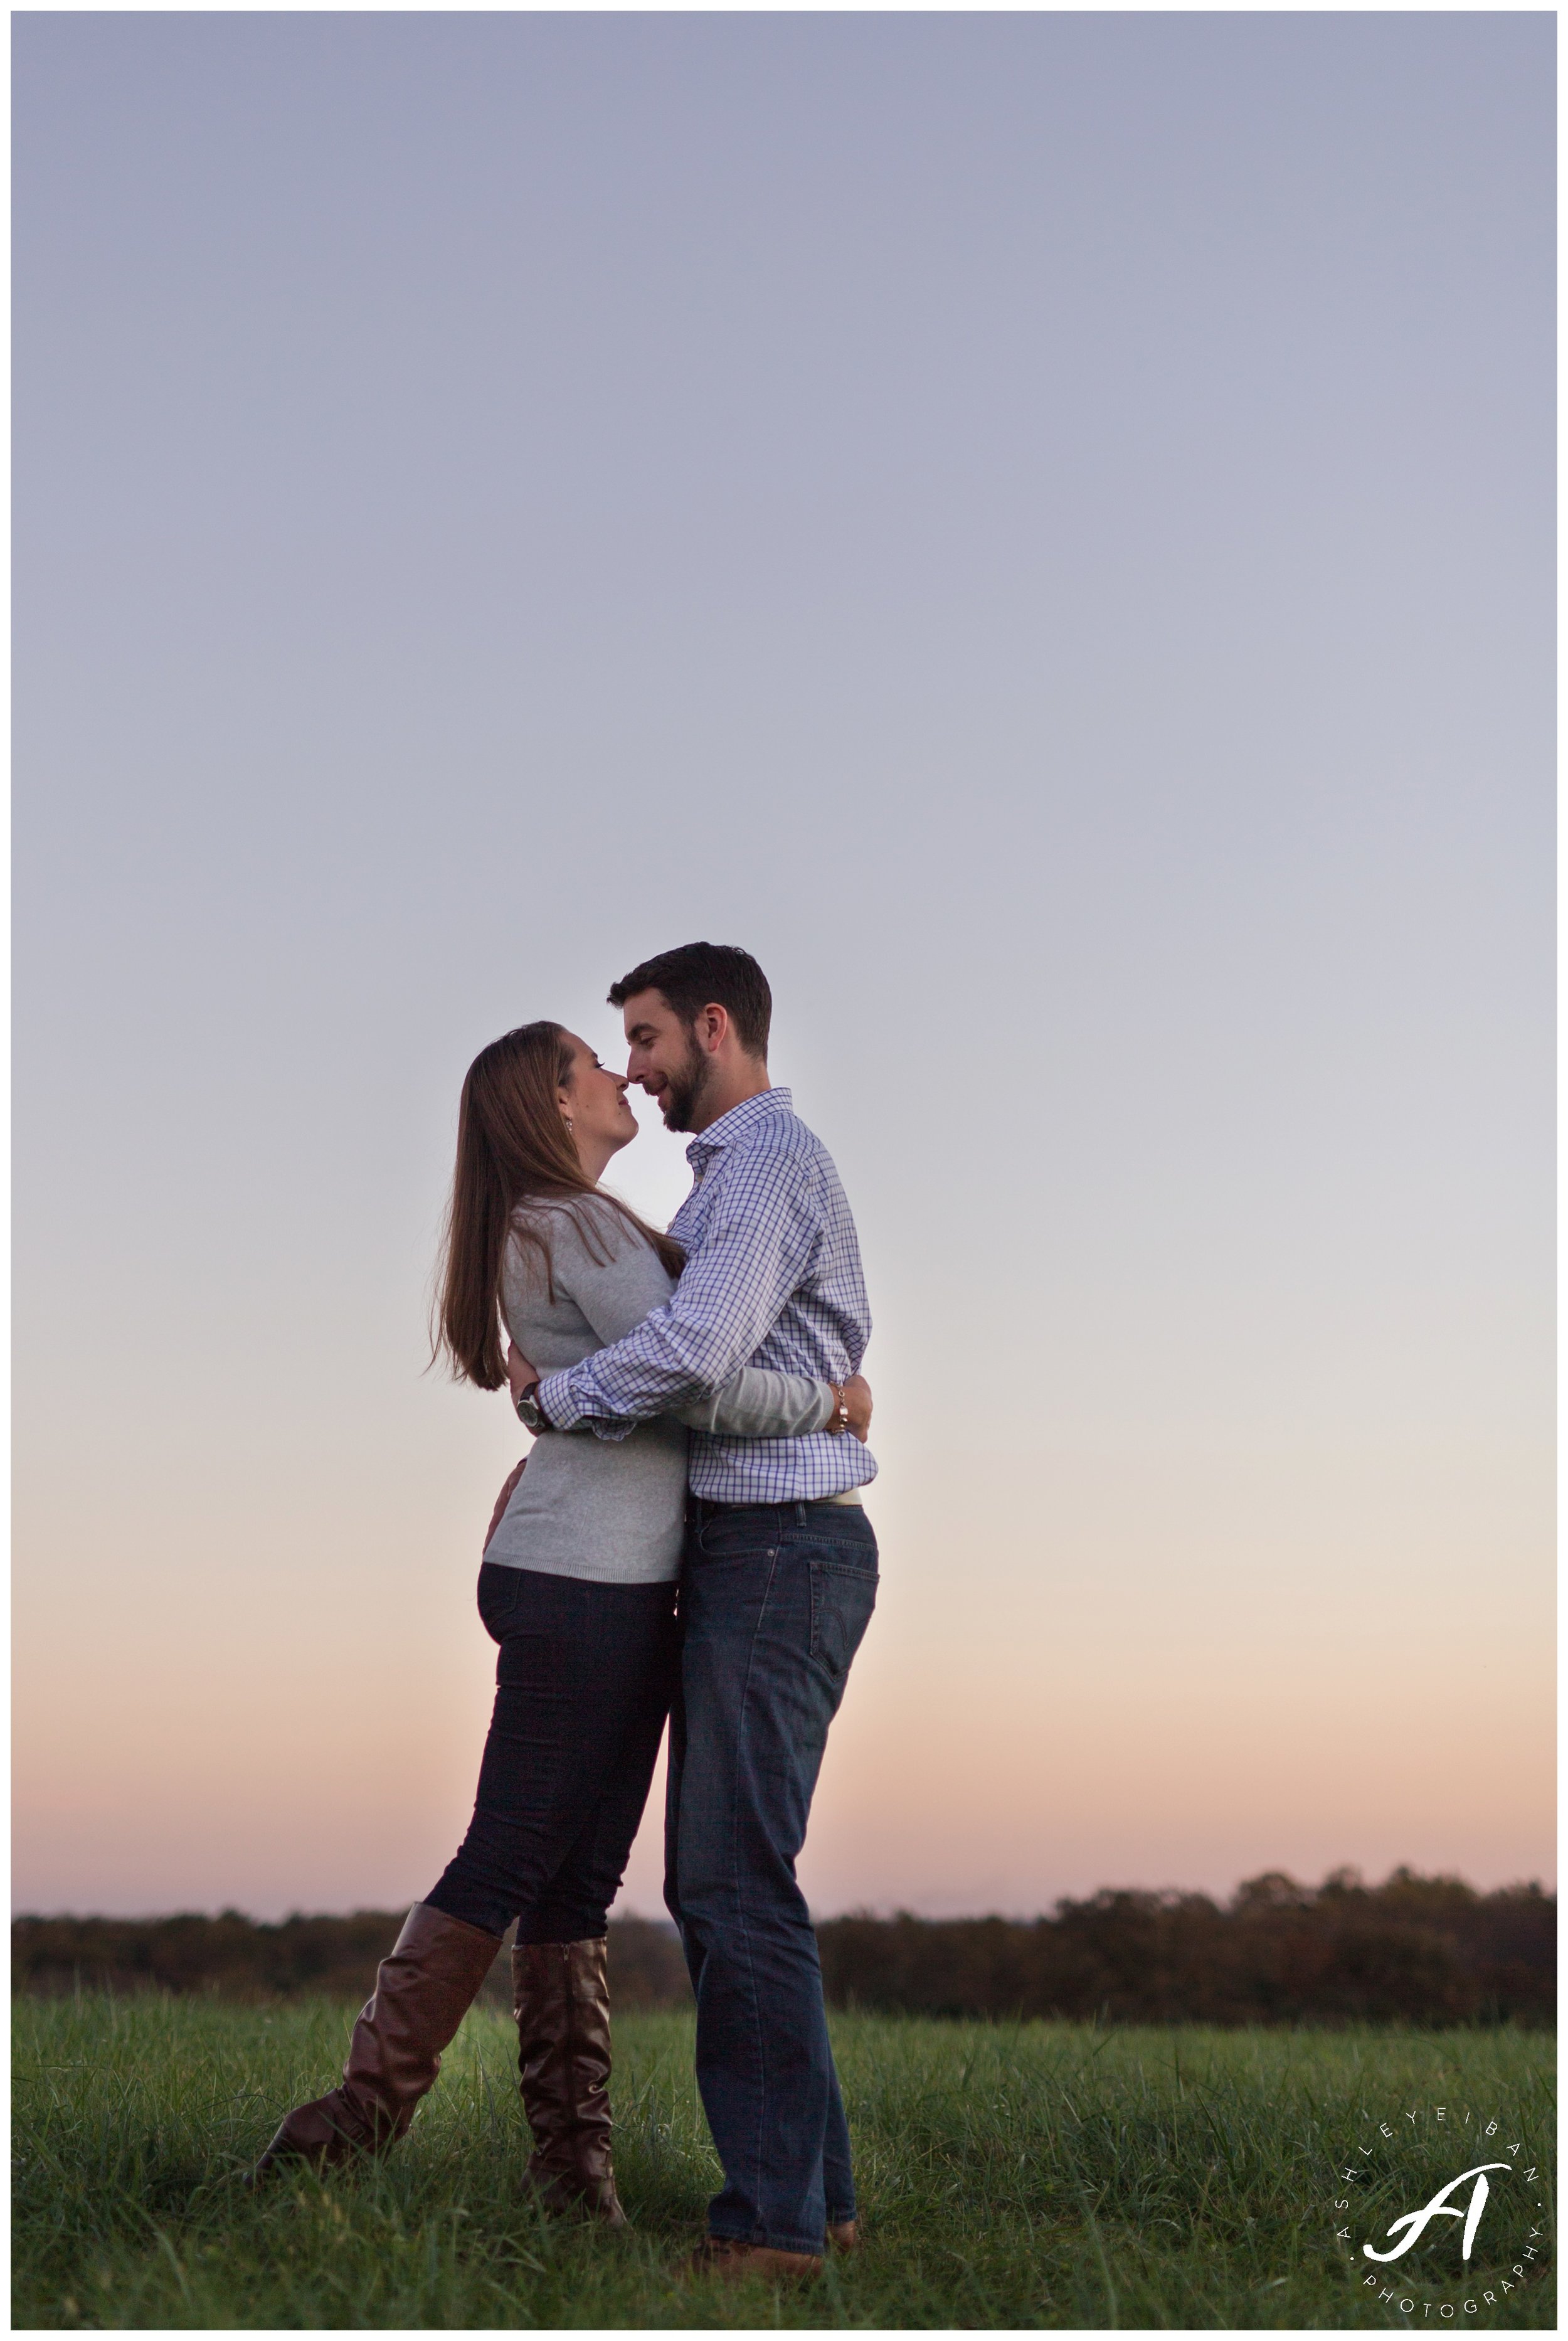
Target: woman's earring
[[567, 1118]]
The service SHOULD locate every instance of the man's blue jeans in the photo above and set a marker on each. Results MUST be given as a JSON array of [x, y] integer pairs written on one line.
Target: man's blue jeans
[[774, 1600]]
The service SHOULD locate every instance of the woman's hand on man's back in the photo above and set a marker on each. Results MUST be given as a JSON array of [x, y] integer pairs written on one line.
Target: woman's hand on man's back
[[857, 1400]]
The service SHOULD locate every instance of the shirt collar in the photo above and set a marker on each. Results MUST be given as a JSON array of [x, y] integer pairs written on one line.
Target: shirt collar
[[739, 1122]]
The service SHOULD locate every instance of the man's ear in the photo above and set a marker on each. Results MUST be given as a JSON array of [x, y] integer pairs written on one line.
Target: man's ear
[[712, 1025]]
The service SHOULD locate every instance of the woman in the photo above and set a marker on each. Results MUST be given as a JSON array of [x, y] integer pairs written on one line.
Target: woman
[[577, 1585]]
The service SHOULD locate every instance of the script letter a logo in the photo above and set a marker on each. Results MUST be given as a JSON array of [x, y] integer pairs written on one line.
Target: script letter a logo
[[1440, 2207]]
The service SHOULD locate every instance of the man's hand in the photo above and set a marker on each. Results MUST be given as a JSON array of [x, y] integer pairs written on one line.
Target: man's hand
[[501, 1503], [519, 1372], [857, 1400]]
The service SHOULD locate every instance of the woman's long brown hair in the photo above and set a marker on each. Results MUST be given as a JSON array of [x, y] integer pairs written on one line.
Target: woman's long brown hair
[[512, 1148]]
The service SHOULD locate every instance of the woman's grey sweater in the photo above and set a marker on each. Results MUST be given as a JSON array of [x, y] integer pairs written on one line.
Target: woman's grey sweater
[[615, 1510]]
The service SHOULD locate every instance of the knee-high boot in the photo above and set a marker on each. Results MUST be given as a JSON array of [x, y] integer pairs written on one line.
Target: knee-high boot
[[423, 1989], [561, 1999]]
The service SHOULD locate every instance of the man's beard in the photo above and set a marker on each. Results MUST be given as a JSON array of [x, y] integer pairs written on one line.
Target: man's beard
[[684, 1092]]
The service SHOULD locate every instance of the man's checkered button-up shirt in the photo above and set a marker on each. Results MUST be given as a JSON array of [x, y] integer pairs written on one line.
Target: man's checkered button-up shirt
[[772, 1277]]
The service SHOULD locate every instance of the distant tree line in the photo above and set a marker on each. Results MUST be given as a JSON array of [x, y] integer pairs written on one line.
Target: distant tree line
[[236, 1957], [1427, 1951]]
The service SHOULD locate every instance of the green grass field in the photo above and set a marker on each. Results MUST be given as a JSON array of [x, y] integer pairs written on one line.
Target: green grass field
[[1041, 2174]]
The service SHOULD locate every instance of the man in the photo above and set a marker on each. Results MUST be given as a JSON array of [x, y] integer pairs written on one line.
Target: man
[[778, 1581]]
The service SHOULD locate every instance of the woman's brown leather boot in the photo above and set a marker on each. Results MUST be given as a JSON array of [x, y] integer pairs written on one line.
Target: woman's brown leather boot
[[423, 1989], [561, 1999]]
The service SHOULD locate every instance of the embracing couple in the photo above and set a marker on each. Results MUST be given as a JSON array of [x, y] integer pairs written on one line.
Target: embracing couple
[[687, 1541]]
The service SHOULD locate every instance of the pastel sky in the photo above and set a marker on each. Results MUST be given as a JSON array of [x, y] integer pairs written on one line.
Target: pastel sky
[[1039, 526]]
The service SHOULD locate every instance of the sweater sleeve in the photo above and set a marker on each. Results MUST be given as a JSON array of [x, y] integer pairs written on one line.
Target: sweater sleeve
[[757, 1403]]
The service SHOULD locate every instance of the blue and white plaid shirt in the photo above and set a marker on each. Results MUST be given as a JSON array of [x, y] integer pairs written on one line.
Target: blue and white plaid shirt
[[772, 1277]]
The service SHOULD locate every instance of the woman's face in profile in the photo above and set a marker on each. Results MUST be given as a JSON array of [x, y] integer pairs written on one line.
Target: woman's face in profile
[[595, 1105]]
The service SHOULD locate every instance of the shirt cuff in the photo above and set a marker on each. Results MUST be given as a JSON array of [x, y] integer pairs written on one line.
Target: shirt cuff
[[554, 1395], [563, 1413]]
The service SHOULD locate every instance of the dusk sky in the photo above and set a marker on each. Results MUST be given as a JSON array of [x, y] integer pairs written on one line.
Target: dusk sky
[[1038, 526]]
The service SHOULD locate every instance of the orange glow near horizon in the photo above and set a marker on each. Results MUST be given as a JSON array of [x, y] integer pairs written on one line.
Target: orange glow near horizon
[[309, 1740]]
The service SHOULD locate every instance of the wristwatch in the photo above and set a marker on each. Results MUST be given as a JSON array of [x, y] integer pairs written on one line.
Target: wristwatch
[[529, 1413]]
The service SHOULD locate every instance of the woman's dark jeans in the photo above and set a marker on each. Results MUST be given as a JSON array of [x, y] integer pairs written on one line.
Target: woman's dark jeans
[[582, 1685]]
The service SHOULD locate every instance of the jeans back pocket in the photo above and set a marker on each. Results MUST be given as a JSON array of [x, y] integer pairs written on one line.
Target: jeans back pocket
[[842, 1600]]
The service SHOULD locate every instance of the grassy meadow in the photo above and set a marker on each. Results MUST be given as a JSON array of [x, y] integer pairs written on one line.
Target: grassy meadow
[[1041, 2175]]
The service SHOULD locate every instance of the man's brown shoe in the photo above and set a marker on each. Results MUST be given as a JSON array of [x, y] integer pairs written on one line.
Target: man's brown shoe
[[844, 2236], [724, 2255]]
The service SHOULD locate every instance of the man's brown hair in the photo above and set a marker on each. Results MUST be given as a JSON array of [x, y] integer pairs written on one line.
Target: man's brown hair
[[696, 973]]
